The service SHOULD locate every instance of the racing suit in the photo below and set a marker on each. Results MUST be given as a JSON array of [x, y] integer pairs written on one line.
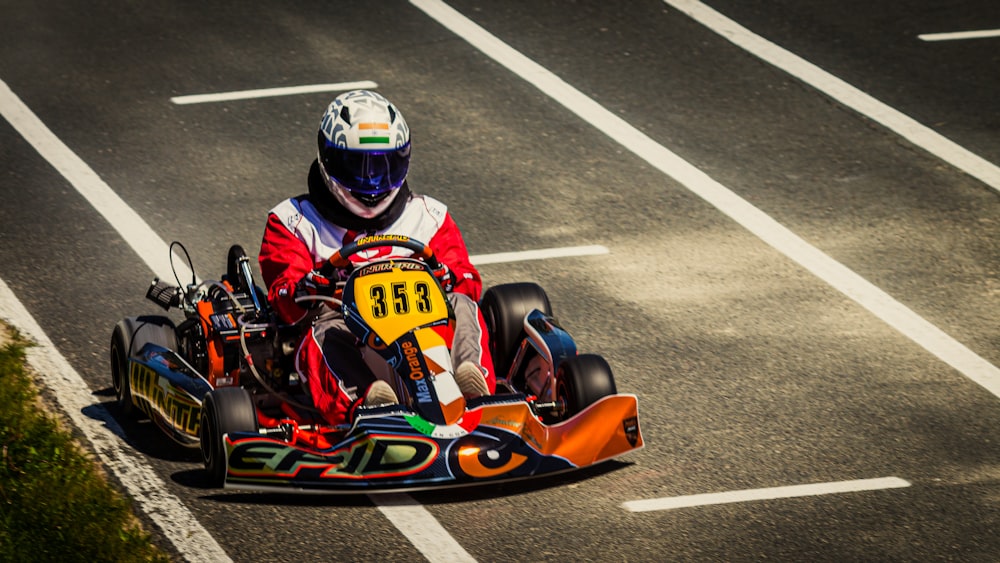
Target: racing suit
[[301, 234]]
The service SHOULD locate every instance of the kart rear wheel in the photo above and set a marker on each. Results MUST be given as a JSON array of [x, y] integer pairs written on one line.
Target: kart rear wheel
[[224, 410], [504, 308], [580, 382], [127, 338]]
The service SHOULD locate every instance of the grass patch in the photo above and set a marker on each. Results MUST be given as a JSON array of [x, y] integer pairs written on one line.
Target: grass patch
[[55, 505]]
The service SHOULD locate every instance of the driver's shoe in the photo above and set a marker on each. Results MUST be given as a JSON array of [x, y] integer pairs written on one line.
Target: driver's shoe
[[471, 380], [380, 393]]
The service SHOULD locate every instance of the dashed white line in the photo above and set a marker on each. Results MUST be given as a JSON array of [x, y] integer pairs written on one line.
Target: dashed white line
[[420, 527], [271, 92], [838, 276], [671, 503], [542, 254], [958, 35]]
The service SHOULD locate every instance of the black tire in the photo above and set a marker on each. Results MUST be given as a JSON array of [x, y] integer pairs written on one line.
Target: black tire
[[127, 338], [224, 410], [580, 382], [504, 308]]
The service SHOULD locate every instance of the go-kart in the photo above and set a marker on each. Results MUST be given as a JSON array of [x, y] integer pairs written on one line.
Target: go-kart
[[223, 380]]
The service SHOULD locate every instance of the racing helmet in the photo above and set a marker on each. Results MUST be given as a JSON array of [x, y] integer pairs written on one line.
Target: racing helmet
[[364, 151]]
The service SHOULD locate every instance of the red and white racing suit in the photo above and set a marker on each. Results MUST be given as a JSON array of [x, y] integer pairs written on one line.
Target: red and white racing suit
[[300, 236]]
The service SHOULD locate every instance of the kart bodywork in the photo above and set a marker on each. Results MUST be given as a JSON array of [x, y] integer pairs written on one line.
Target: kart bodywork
[[223, 380]]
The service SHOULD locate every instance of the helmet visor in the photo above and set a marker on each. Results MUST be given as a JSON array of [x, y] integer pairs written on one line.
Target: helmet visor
[[366, 172]]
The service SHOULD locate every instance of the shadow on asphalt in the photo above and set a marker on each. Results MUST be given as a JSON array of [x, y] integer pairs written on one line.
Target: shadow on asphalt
[[445, 495], [139, 432]]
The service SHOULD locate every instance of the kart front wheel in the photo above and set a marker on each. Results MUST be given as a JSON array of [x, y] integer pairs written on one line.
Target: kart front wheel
[[224, 411], [127, 339], [580, 382], [504, 308]]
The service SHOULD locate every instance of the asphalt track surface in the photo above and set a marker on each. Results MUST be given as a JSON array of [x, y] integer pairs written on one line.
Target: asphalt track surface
[[752, 370]]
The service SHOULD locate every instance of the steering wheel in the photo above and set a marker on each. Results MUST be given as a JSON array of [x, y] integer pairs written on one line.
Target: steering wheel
[[341, 259]]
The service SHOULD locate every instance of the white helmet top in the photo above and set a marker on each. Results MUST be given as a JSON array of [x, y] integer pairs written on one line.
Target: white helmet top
[[364, 147]]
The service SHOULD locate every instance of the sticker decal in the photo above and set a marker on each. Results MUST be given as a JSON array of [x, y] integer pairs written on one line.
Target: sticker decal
[[631, 426]]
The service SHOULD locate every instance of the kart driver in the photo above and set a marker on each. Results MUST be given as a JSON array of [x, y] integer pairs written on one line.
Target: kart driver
[[357, 187]]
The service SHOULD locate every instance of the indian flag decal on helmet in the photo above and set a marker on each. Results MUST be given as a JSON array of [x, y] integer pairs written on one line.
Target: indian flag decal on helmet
[[377, 133], [364, 120]]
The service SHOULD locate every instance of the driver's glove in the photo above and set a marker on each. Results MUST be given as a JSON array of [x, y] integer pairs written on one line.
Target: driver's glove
[[445, 278], [313, 289]]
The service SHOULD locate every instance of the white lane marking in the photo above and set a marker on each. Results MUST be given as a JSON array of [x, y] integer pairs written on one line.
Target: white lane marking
[[903, 125], [272, 92], [147, 490], [957, 35], [816, 489], [541, 254], [881, 304], [420, 527], [132, 228]]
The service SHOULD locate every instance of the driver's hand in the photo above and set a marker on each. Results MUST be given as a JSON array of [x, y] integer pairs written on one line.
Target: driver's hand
[[445, 278], [314, 288]]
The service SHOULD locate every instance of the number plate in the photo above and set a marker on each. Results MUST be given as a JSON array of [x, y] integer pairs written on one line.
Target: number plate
[[396, 297]]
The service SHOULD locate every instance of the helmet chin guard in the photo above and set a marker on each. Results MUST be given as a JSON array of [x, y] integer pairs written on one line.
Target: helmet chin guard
[[362, 205]]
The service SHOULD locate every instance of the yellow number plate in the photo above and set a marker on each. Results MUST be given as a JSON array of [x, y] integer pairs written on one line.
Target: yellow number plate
[[397, 301]]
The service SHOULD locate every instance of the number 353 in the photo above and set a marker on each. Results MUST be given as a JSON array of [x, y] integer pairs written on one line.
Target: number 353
[[403, 297]]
